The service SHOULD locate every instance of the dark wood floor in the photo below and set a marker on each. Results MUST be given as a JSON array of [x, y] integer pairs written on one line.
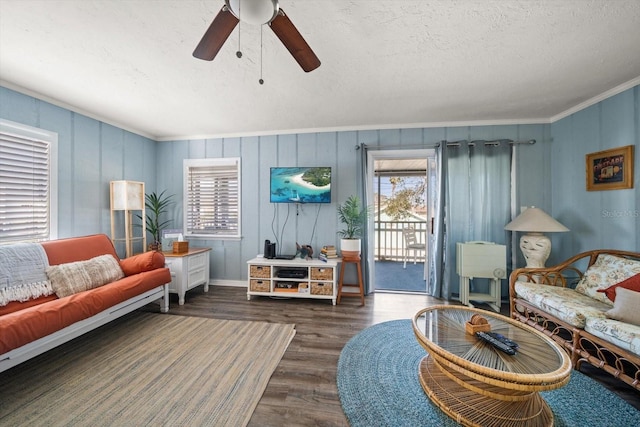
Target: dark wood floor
[[302, 390]]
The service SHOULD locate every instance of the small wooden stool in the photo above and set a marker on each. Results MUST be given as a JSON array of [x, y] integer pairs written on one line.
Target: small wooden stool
[[360, 285]]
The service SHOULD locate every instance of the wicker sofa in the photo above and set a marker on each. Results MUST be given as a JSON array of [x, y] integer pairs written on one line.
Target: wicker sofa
[[80, 295], [571, 303]]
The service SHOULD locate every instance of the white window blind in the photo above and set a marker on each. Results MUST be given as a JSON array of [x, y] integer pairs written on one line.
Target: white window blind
[[212, 198], [27, 183]]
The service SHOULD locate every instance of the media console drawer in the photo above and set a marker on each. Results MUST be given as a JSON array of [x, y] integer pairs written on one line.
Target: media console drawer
[[259, 285], [321, 288], [263, 271], [321, 273]]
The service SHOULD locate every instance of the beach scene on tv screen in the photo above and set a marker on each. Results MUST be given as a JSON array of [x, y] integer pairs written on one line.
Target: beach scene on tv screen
[[301, 185]]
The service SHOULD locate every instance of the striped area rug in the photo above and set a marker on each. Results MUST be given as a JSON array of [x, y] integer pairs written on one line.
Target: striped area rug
[[148, 369]]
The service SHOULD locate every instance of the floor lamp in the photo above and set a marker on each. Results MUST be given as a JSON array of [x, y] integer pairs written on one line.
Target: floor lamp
[[534, 245]]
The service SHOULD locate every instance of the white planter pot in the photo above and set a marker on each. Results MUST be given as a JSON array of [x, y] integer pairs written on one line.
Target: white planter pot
[[350, 248]]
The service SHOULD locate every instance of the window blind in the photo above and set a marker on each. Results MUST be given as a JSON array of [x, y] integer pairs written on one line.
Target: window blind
[[24, 189], [212, 197]]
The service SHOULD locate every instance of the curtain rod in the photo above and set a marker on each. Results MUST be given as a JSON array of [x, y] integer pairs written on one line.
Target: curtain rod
[[452, 144]]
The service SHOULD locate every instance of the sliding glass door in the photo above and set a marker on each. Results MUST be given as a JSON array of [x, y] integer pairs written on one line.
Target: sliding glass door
[[400, 191]]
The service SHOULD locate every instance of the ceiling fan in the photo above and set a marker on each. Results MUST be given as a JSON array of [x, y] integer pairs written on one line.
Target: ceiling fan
[[255, 12]]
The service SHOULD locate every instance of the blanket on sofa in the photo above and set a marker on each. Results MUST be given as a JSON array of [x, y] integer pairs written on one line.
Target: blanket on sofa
[[23, 272]]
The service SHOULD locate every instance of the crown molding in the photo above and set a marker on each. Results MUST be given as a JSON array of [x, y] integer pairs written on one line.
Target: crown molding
[[598, 98], [73, 108], [359, 128]]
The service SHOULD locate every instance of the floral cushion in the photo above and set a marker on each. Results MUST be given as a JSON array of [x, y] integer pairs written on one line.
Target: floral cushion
[[605, 272], [564, 303], [624, 335], [632, 283]]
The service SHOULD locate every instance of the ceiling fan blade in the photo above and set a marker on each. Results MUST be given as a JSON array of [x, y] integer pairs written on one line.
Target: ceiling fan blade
[[215, 36], [293, 41]]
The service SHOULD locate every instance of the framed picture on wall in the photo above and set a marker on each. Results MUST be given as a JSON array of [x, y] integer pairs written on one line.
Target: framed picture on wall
[[610, 169]]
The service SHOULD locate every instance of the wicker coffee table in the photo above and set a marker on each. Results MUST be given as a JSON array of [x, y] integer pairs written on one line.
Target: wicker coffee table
[[478, 385]]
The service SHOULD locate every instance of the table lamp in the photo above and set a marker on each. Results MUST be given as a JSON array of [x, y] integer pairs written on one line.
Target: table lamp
[[534, 245]]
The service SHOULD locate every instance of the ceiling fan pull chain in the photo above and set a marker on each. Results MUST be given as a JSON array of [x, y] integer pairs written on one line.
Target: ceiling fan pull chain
[[239, 52], [261, 81]]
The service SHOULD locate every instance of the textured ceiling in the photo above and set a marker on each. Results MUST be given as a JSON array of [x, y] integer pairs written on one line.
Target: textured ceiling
[[393, 63]]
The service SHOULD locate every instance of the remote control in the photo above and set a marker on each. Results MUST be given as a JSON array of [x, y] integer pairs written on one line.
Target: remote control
[[502, 338], [496, 343]]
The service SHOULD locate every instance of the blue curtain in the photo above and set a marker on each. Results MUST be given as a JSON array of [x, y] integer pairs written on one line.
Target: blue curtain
[[474, 188], [362, 190]]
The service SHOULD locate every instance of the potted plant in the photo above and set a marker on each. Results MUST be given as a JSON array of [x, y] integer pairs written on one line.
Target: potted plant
[[354, 217], [156, 205]]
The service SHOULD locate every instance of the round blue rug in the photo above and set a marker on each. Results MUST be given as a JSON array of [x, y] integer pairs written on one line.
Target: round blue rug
[[378, 386]]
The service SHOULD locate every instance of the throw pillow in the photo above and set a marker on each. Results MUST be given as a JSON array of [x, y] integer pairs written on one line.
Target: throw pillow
[[140, 263], [625, 308], [632, 283], [607, 271], [79, 276]]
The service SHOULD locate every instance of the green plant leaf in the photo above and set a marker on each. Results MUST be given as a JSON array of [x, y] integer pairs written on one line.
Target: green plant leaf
[[156, 205], [353, 217]]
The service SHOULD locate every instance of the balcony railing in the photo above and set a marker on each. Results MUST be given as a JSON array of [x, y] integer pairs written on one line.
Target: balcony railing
[[389, 243]]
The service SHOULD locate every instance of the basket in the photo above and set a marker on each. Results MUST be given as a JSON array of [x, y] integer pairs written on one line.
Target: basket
[[321, 273], [472, 329], [321, 288], [259, 285], [180, 247], [261, 271]]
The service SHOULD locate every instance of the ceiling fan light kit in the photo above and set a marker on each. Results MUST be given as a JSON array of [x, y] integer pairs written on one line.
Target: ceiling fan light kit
[[254, 12], [257, 12]]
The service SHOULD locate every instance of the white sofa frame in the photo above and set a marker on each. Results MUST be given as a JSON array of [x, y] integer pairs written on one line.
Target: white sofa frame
[[39, 346]]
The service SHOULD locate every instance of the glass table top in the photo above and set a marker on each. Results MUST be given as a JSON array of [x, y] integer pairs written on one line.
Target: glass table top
[[441, 330]]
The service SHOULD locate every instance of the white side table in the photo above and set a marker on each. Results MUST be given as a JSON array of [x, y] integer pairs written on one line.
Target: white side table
[[188, 270], [481, 260]]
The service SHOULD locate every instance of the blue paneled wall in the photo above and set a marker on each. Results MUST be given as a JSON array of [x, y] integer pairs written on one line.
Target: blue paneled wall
[[262, 220], [90, 154], [549, 174], [597, 219]]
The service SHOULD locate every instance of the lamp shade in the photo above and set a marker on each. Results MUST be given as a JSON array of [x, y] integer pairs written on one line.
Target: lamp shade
[[127, 195], [537, 221]]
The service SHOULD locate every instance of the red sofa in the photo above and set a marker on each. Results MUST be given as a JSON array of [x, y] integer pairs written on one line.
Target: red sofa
[[32, 327]]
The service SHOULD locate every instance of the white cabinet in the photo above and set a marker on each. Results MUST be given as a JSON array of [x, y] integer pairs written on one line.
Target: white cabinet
[[188, 270], [273, 277]]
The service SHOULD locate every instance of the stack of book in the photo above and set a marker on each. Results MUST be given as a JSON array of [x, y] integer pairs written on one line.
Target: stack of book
[[328, 252]]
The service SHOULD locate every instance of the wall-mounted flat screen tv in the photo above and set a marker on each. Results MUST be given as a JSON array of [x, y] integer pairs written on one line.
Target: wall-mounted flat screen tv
[[301, 185]]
